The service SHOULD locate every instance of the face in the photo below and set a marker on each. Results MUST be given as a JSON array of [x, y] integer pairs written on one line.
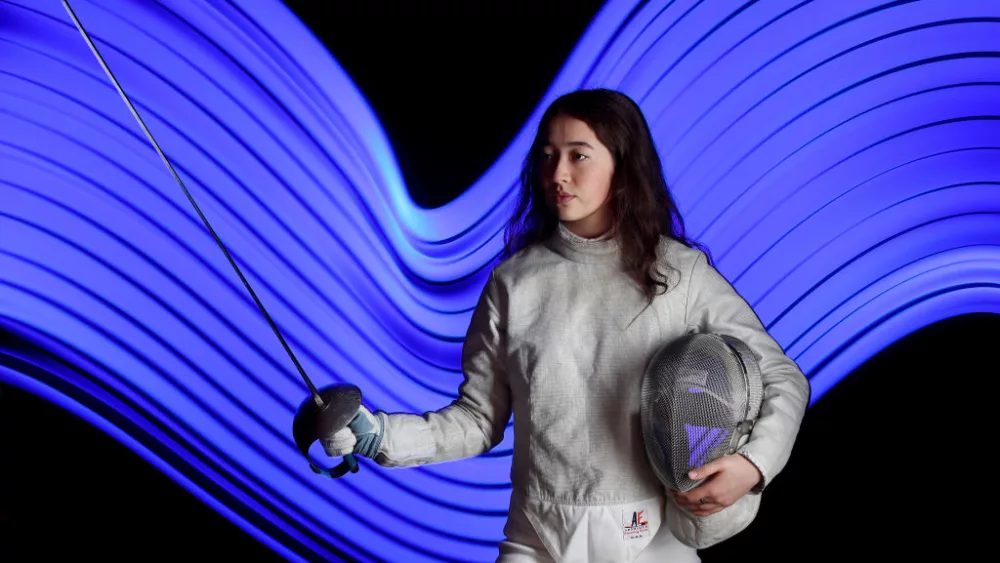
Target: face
[[576, 174]]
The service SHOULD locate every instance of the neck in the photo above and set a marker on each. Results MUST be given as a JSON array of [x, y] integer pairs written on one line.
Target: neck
[[587, 232], [595, 226]]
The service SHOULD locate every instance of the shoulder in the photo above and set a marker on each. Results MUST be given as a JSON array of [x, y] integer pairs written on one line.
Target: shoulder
[[678, 258]]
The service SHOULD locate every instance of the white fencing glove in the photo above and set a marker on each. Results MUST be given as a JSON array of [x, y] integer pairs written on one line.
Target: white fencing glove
[[363, 435]]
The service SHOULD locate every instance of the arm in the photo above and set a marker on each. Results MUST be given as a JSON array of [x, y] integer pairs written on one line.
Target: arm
[[472, 424], [714, 306]]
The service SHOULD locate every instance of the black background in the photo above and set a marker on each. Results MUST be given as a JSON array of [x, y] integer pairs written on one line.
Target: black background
[[892, 461]]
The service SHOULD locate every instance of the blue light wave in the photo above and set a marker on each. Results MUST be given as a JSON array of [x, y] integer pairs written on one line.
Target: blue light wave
[[840, 159]]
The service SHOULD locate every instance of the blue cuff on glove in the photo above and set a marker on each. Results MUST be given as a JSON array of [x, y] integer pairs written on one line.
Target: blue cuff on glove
[[368, 428]]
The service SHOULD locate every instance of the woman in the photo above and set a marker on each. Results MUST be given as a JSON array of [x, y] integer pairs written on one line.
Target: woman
[[597, 275]]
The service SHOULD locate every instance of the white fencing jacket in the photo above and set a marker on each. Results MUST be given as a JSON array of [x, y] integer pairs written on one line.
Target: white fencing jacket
[[560, 338]]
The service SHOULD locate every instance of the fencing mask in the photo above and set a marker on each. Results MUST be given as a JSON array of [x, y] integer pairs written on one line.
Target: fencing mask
[[701, 395]]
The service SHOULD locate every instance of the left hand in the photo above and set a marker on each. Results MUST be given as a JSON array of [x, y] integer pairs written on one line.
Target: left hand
[[727, 479]]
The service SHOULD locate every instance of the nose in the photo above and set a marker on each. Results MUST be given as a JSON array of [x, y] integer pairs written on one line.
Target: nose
[[558, 171]]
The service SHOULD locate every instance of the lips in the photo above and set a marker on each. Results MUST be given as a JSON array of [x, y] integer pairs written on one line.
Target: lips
[[563, 198]]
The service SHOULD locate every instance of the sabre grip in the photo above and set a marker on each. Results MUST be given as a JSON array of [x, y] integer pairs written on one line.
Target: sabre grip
[[314, 420]]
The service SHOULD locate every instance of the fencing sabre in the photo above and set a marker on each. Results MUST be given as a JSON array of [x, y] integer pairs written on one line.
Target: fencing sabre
[[328, 409]]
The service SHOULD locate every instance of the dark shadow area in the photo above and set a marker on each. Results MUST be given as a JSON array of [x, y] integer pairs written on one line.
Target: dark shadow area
[[451, 82], [892, 460], [69, 490]]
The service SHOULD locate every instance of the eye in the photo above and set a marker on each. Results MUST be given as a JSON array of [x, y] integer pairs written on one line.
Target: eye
[[580, 156]]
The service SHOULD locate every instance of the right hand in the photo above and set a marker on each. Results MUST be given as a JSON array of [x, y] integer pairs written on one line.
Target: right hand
[[363, 436]]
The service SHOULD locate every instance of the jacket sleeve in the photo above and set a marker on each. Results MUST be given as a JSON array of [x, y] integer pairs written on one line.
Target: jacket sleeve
[[714, 306], [475, 421]]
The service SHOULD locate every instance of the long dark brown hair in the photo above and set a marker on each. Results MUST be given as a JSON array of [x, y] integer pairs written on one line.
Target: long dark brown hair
[[643, 209]]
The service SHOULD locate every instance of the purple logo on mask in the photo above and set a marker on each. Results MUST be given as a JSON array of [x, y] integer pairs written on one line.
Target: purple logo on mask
[[701, 441]]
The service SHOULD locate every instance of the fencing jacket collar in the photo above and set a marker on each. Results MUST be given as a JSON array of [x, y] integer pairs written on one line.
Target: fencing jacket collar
[[604, 248]]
